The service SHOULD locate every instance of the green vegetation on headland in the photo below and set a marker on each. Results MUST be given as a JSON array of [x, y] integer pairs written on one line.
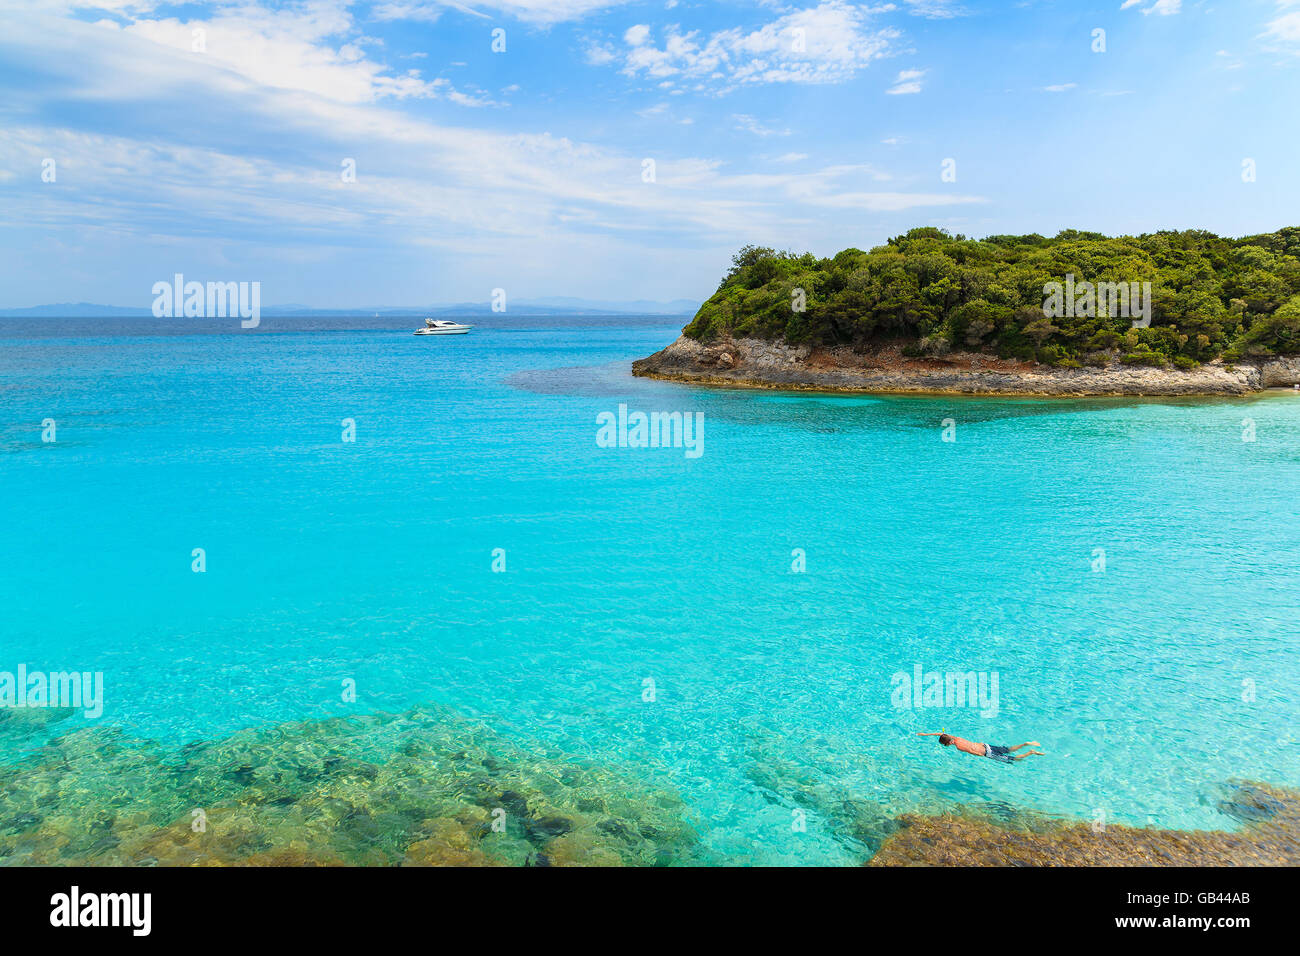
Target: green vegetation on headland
[[936, 293]]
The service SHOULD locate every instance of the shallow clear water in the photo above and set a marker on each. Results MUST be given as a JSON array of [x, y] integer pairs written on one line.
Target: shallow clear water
[[372, 561]]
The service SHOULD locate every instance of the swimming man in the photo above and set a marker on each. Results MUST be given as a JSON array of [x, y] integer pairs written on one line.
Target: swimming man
[[993, 751]]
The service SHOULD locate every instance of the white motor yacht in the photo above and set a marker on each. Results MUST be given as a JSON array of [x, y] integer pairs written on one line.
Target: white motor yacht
[[442, 327]]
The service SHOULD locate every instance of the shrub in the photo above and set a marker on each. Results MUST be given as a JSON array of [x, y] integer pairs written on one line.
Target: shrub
[[1145, 357], [1276, 334], [1097, 359]]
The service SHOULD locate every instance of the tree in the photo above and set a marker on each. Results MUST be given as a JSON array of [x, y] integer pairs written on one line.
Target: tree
[[1276, 334], [1208, 294]]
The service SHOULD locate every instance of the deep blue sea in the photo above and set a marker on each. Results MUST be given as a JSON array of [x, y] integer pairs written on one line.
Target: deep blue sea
[[650, 612]]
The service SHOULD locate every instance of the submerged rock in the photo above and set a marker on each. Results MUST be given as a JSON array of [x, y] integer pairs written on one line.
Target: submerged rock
[[424, 788], [1271, 839], [806, 772], [1251, 804], [548, 827]]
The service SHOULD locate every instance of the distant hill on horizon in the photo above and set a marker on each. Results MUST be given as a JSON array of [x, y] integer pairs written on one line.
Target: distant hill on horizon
[[546, 305]]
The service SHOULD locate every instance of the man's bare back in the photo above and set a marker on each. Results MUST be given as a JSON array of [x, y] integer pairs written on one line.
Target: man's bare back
[[993, 751]]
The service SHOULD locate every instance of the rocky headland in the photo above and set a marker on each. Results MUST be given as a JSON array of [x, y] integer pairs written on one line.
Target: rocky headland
[[757, 363]]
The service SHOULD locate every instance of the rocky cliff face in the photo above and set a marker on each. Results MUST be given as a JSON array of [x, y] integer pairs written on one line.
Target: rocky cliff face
[[1280, 372], [761, 364]]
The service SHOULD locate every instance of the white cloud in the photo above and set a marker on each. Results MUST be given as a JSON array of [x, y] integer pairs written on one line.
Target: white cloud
[[907, 81], [637, 35], [1163, 8], [828, 43], [937, 9], [599, 55], [894, 202], [256, 174], [1283, 33], [313, 47], [751, 125], [1060, 87], [542, 12], [531, 176]]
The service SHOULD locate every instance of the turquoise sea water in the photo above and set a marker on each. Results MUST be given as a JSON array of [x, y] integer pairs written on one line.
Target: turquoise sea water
[[1149, 685]]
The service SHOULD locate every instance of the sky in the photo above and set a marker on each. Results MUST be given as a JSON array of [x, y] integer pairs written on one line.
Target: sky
[[411, 152]]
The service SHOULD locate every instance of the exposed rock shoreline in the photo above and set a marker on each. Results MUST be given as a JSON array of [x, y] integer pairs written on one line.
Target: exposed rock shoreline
[[1269, 838], [755, 363]]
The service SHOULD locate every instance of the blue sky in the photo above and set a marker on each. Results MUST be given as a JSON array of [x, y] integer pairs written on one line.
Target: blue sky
[[524, 169]]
